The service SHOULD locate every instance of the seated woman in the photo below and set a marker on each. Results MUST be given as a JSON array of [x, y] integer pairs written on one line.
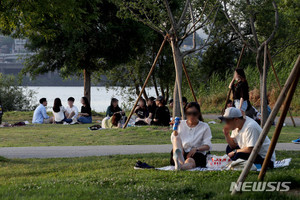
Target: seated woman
[[142, 113], [191, 141], [85, 117], [112, 122], [59, 112], [113, 108], [162, 113]]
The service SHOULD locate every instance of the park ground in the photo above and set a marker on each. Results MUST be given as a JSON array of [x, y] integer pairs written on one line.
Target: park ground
[[113, 177], [79, 135]]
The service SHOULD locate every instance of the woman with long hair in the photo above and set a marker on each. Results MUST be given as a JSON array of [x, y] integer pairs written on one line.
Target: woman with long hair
[[85, 116], [59, 112], [112, 122], [191, 141], [240, 90], [113, 108], [142, 113]]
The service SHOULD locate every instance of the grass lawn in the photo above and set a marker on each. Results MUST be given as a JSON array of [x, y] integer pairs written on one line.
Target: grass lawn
[[113, 177], [61, 135]]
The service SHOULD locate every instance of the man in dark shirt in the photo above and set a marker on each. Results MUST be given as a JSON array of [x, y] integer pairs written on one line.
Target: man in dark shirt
[[162, 113], [151, 107]]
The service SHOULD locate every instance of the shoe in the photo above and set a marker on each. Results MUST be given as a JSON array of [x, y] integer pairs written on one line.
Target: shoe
[[65, 123], [297, 141], [74, 121], [141, 165]]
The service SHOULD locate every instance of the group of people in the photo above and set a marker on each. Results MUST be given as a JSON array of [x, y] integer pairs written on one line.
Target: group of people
[[61, 114], [192, 140]]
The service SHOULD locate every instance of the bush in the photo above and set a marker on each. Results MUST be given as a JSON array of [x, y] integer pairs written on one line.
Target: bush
[[13, 97]]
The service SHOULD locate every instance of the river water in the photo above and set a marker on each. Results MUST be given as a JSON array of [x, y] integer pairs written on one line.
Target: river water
[[100, 96]]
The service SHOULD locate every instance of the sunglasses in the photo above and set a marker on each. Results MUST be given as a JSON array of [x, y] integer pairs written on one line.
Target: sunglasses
[[192, 113]]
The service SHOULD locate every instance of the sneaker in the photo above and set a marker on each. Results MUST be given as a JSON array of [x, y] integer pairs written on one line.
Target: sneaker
[[141, 165], [297, 141], [65, 123], [74, 121]]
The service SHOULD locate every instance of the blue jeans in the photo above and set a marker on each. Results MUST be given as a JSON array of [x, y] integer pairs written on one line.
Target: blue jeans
[[85, 120]]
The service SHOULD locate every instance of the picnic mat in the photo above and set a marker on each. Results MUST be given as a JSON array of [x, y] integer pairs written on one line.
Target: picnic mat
[[277, 164]]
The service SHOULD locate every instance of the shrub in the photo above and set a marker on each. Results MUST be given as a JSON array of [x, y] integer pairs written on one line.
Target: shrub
[[14, 97]]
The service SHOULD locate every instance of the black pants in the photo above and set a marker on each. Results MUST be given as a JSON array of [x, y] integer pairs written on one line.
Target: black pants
[[141, 123], [199, 158], [245, 156]]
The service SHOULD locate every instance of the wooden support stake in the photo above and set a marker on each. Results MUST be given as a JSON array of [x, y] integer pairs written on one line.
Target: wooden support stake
[[237, 66], [191, 87], [146, 81], [278, 82], [279, 125], [264, 133]]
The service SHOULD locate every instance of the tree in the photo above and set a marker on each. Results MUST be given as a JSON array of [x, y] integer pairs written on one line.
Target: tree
[[74, 37], [242, 18], [175, 21]]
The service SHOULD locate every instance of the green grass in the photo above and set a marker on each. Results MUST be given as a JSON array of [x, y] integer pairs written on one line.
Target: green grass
[[61, 135], [113, 177]]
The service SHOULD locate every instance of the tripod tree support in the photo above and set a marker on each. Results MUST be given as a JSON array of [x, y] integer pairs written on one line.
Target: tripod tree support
[[278, 82], [278, 128], [146, 81], [191, 87], [294, 75], [237, 66]]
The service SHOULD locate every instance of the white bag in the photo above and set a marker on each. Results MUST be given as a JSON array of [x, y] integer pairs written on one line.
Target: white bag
[[218, 162]]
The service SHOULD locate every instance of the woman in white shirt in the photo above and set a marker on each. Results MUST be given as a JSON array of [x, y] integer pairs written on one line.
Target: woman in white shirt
[[191, 141], [59, 112]]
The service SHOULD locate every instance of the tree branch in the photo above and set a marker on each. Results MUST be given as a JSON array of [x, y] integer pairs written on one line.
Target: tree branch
[[252, 25], [183, 13], [276, 23], [171, 17]]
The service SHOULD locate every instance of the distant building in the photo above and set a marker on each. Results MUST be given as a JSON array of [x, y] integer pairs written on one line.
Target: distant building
[[19, 46]]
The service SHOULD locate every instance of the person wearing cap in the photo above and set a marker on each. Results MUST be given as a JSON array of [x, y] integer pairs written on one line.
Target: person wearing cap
[[244, 135], [162, 113]]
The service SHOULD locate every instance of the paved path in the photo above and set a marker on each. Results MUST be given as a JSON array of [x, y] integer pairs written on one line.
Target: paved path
[[80, 151], [288, 120]]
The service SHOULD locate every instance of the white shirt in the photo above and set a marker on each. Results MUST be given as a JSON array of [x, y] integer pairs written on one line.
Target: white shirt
[[248, 136], [75, 109], [194, 137], [59, 116]]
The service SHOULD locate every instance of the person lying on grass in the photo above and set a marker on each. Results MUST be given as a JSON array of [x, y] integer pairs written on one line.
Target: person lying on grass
[[244, 135], [112, 122], [191, 141]]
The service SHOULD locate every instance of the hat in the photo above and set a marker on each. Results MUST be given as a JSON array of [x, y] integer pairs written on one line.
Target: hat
[[160, 98], [231, 113], [151, 98]]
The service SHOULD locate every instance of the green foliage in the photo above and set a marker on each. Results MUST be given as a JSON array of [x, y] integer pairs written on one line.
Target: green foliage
[[14, 97]]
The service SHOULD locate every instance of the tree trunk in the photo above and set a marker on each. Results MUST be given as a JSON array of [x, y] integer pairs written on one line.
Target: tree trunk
[[177, 99], [154, 84], [87, 84], [263, 91]]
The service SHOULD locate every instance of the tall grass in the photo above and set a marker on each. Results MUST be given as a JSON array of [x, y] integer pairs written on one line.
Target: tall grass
[[212, 94]]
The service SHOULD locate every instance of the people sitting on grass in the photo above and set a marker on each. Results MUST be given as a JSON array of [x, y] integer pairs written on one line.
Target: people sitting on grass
[[85, 116], [191, 141], [59, 110], [244, 135], [240, 90], [113, 108], [142, 113], [40, 114], [151, 108], [113, 121], [71, 110], [162, 113]]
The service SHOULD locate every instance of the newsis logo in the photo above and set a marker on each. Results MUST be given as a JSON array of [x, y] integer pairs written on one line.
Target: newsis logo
[[260, 186]]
